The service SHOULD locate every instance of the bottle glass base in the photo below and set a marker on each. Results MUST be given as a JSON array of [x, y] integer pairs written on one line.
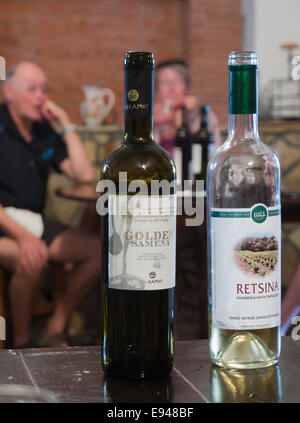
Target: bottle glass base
[[246, 365], [245, 349]]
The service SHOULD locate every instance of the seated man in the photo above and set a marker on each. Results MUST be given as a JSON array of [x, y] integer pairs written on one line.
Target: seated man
[[29, 147]]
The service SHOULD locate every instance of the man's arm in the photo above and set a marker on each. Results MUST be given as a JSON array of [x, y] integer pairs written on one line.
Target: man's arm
[[77, 165]]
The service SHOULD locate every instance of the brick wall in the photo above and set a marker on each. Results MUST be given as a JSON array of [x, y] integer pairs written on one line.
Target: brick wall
[[214, 29], [79, 42]]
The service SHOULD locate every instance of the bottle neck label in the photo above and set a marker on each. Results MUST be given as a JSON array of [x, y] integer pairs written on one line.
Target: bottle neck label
[[138, 93], [243, 89]]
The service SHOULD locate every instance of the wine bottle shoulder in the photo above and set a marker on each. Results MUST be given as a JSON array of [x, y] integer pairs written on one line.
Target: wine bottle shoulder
[[243, 153], [243, 174], [140, 161]]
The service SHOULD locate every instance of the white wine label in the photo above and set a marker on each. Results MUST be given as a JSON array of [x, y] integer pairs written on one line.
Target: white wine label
[[196, 162], [246, 256], [178, 163], [142, 242]]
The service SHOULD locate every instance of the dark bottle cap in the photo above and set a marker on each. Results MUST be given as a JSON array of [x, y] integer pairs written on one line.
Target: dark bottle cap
[[204, 114], [138, 84], [139, 60], [205, 109]]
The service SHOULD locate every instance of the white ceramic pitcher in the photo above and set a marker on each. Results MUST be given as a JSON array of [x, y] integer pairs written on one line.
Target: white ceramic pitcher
[[97, 104]]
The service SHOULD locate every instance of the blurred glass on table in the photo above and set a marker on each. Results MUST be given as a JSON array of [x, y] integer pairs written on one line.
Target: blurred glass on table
[[10, 393]]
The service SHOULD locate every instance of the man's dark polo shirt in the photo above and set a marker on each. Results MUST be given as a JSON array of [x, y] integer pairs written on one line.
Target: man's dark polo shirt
[[24, 167]]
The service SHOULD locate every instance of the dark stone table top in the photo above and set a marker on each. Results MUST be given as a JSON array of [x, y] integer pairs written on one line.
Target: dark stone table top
[[74, 374]]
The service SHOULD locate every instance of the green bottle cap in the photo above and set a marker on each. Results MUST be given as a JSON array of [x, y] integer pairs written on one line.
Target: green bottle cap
[[242, 82]]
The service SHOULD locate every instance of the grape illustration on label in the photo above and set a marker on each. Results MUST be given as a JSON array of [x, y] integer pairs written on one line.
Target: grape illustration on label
[[257, 255]]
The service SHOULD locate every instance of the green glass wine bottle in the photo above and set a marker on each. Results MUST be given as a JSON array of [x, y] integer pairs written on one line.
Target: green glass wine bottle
[[202, 147], [182, 146], [138, 237]]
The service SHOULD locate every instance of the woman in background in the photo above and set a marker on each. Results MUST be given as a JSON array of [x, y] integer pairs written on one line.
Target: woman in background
[[173, 92]]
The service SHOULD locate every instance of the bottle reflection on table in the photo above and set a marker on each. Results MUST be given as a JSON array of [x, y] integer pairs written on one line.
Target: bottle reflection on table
[[155, 390], [258, 385]]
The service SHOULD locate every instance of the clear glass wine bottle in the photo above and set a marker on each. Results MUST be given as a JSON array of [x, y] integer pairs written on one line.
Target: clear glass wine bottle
[[243, 211]]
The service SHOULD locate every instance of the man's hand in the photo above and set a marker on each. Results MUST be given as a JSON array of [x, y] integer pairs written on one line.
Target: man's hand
[[77, 165], [33, 253], [53, 113]]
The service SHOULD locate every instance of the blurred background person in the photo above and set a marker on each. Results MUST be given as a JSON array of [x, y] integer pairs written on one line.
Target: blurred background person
[[29, 148], [290, 306], [172, 93]]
